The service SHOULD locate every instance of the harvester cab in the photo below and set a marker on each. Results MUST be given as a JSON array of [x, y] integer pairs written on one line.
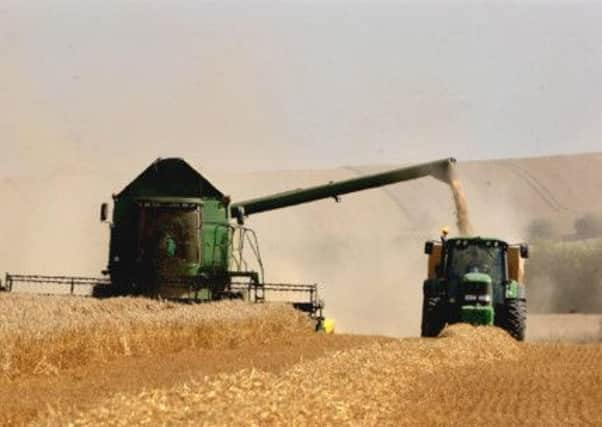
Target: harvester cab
[[475, 280]]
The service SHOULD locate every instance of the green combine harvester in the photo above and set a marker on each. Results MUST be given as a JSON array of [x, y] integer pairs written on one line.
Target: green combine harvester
[[174, 235], [475, 280]]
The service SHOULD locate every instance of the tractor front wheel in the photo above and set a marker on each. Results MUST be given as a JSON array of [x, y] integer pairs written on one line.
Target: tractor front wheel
[[433, 316], [512, 317]]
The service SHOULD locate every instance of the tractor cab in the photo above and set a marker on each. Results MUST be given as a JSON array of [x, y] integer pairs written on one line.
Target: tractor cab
[[468, 256]]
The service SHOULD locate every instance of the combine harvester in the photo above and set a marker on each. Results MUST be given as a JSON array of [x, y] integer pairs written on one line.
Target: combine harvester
[[174, 235], [474, 280]]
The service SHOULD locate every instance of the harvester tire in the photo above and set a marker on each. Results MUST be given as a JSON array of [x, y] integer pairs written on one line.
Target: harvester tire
[[433, 316], [512, 317]]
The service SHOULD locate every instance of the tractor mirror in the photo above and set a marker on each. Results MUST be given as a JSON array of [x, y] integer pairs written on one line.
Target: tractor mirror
[[428, 248], [104, 212], [524, 251]]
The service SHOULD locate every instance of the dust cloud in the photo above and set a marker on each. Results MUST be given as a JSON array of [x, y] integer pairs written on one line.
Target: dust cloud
[[564, 276], [365, 253]]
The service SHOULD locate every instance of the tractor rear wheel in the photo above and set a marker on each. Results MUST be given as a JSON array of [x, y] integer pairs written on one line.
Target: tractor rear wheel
[[433, 316], [512, 317]]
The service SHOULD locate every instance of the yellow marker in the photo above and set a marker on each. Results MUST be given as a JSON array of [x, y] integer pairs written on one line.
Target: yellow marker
[[327, 326]]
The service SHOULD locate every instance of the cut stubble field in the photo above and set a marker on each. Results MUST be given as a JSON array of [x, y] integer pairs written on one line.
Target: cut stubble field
[[130, 361]]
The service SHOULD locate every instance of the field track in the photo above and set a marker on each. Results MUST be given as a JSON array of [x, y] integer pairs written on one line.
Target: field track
[[468, 376]]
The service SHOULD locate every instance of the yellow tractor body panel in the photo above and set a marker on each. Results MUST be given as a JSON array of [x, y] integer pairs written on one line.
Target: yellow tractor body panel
[[516, 264], [434, 260]]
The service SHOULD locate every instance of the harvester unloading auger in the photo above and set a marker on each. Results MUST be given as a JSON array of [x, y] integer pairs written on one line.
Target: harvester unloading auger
[[175, 235]]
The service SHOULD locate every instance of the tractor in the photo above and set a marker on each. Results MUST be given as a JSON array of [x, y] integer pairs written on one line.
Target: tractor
[[474, 280]]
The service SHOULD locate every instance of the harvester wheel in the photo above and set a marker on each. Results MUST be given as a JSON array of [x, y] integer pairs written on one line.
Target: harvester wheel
[[433, 316], [512, 317]]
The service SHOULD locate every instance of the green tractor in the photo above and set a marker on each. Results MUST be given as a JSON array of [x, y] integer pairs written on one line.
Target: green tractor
[[474, 280]]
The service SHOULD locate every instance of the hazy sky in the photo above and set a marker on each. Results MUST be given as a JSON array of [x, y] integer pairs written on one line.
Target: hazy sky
[[93, 85]]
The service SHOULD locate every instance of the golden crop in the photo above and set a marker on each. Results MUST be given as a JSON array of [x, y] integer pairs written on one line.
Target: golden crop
[[44, 334], [365, 386]]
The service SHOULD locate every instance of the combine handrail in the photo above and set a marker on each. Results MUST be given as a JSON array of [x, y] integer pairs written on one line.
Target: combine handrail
[[71, 281]]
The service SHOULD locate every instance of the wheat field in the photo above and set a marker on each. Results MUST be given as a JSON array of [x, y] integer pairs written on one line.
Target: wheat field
[[368, 386], [128, 361], [46, 334]]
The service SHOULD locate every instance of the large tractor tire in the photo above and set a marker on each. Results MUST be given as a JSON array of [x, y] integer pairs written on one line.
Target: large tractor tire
[[433, 316], [512, 317]]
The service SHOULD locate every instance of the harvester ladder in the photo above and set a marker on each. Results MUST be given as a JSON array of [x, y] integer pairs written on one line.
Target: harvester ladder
[[243, 237]]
